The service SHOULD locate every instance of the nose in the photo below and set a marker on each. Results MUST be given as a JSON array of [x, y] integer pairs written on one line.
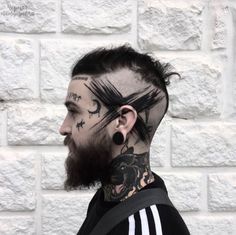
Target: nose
[[65, 128]]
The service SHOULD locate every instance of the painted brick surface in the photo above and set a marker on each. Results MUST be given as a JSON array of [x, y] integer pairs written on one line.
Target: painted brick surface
[[17, 225], [35, 125], [170, 26], [206, 144], [193, 149], [220, 12], [63, 214], [18, 75], [28, 16], [222, 186], [184, 190], [53, 171], [57, 58], [201, 76], [159, 153], [2, 125], [17, 181], [205, 225], [86, 17]]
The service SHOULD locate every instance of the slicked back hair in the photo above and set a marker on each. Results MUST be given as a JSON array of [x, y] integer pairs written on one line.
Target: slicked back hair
[[106, 60]]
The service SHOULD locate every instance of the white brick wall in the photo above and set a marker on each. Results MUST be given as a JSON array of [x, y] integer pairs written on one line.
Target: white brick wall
[[194, 148]]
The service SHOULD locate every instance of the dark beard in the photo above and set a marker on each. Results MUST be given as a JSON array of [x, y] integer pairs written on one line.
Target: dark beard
[[89, 164]]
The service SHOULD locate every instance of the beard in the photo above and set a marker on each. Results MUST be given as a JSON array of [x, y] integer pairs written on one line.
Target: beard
[[88, 164]]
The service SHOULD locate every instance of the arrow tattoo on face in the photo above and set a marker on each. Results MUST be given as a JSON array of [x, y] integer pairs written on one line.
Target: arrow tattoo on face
[[97, 110], [80, 124]]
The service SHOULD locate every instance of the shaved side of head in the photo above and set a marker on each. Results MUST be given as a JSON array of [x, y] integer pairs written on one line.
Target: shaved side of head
[[123, 76]]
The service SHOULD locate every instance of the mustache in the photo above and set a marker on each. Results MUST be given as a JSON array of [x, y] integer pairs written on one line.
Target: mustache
[[68, 140]]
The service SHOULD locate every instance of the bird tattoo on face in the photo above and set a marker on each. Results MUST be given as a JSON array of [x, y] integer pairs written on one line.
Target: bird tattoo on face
[[80, 124]]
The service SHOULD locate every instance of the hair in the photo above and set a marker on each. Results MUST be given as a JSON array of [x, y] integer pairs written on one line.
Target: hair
[[103, 60], [106, 60]]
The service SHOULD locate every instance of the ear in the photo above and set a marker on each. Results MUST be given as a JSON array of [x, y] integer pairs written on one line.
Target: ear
[[126, 120]]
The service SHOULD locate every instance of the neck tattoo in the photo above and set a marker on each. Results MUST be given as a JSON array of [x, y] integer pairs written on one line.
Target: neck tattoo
[[129, 173]]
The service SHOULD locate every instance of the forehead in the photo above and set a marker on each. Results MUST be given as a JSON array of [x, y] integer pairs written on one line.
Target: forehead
[[77, 91]]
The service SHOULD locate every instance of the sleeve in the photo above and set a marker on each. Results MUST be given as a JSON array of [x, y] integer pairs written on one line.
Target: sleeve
[[153, 220]]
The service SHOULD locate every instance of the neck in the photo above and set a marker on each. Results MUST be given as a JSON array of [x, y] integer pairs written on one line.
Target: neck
[[129, 173]]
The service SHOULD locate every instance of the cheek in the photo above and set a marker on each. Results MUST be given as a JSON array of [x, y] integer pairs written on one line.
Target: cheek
[[80, 127]]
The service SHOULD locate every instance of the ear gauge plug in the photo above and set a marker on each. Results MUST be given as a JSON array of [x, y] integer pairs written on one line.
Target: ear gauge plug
[[118, 138]]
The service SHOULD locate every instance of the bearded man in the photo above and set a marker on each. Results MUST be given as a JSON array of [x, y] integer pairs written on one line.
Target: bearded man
[[116, 99]]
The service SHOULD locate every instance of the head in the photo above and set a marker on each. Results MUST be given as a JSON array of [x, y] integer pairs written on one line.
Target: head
[[116, 99]]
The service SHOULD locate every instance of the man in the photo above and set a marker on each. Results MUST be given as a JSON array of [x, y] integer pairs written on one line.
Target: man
[[116, 99]]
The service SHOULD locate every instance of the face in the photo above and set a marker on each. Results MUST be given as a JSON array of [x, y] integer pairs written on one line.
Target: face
[[89, 152]]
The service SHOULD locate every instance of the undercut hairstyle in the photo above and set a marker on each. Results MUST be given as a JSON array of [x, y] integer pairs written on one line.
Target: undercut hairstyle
[[107, 60]]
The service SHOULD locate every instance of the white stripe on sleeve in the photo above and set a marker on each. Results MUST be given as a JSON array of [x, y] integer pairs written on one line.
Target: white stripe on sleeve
[[156, 219], [144, 221], [131, 225]]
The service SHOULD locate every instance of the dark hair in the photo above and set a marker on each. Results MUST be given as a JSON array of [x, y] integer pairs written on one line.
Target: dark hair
[[104, 60]]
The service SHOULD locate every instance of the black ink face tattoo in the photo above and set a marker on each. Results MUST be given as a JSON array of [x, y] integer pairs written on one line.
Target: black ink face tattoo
[[113, 99], [74, 96], [147, 115], [97, 110], [149, 127], [125, 147], [77, 77], [80, 124]]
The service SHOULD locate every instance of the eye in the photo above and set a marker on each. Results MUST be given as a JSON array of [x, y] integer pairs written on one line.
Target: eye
[[72, 112]]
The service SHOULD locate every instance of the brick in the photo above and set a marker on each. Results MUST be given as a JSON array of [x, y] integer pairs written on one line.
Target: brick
[[2, 127], [18, 75], [214, 225], [35, 124], [96, 16], [170, 26], [234, 95], [10, 225], [203, 144], [28, 16], [233, 12], [220, 13], [222, 191], [57, 59], [184, 190], [17, 181], [159, 153], [53, 170], [63, 213], [201, 76]]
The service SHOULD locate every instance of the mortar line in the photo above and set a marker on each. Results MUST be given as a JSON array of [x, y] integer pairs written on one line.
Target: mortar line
[[15, 213]]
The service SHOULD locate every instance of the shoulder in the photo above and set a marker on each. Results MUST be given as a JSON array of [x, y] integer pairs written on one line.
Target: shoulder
[[94, 199], [155, 219]]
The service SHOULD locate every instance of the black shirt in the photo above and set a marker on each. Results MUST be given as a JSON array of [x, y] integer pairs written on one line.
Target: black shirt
[[152, 220]]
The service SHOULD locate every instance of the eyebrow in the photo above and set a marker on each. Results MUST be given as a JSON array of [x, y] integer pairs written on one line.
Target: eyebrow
[[70, 103]]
